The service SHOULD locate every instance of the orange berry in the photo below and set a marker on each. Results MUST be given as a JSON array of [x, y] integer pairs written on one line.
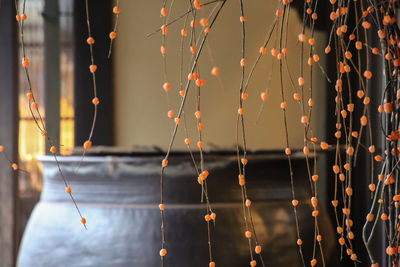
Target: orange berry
[[295, 202], [384, 217], [161, 206], [163, 50], [350, 107], [44, 133], [301, 81], [166, 86], [68, 190], [92, 68], [87, 145], [371, 187], [302, 37], [215, 71], [53, 149], [204, 22], [387, 107], [315, 213], [314, 202], [274, 52], [370, 217], [358, 45], [83, 220], [257, 249], [247, 234], [353, 257], [336, 169], [243, 62], [248, 203], [241, 111], [199, 144], [366, 25], [163, 252], [24, 16], [324, 145], [363, 120], [187, 141], [327, 49], [25, 62], [182, 93], [315, 177], [367, 74], [296, 96], [244, 96], [375, 51], [18, 17], [283, 105], [164, 163], [116, 10], [192, 49], [244, 161], [90, 40], [197, 4], [304, 119], [29, 95], [288, 151], [177, 121], [197, 114], [163, 12], [299, 242], [314, 16], [262, 50], [113, 35], [1, 148], [264, 96], [213, 216], [170, 114], [193, 23], [95, 101], [241, 179], [313, 262], [184, 32], [212, 264], [35, 105], [207, 218], [242, 19]]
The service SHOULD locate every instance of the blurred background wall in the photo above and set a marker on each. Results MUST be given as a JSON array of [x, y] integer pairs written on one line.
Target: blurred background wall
[[141, 104]]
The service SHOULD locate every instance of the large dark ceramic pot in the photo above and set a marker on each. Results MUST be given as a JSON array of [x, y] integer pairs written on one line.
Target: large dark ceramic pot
[[119, 196]]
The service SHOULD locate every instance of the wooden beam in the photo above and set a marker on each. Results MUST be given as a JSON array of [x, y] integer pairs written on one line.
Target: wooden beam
[[8, 133], [52, 84], [100, 18]]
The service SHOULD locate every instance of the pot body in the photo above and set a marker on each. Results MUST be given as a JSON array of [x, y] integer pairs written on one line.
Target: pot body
[[119, 196]]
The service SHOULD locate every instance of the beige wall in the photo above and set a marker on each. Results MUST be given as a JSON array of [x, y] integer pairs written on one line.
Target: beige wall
[[141, 104]]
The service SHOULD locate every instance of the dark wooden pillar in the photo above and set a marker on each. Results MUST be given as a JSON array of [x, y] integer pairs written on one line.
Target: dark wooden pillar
[[100, 18], [51, 16], [8, 133]]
